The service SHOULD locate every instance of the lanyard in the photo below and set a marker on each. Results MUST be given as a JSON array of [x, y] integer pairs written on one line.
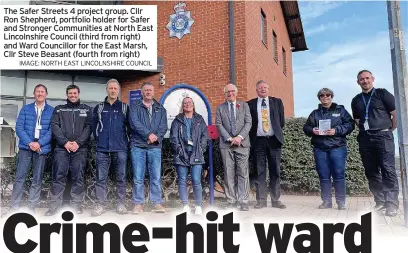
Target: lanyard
[[367, 104], [39, 115]]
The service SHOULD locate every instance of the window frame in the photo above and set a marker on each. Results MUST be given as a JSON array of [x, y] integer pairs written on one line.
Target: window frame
[[284, 62], [275, 47], [264, 29]]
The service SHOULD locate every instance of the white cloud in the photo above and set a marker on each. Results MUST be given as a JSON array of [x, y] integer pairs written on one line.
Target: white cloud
[[336, 68], [332, 26], [311, 10]]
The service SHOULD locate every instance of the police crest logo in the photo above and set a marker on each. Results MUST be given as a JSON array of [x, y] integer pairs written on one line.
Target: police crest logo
[[180, 22]]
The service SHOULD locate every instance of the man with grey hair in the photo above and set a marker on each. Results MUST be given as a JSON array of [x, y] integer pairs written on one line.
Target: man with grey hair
[[266, 135], [110, 130], [233, 122], [148, 121]]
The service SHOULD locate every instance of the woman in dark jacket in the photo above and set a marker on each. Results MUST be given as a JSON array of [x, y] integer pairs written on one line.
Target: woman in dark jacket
[[189, 137], [328, 125]]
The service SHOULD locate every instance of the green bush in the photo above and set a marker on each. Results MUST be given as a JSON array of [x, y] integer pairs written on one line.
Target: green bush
[[299, 175], [298, 170]]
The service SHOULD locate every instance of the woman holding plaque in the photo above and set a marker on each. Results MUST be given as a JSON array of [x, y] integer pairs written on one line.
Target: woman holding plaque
[[328, 125], [189, 137]]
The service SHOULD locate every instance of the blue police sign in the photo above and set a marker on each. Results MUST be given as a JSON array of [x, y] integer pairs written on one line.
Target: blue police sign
[[134, 95]]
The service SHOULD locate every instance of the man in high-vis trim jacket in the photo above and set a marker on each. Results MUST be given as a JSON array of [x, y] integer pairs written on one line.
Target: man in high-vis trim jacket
[[71, 126]]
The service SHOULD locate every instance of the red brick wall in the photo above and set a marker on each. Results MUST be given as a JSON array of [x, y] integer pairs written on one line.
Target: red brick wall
[[201, 58], [260, 63]]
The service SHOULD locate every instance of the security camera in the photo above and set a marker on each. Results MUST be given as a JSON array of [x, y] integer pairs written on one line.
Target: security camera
[[162, 82]]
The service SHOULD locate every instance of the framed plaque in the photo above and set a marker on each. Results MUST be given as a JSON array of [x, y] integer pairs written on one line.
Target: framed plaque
[[173, 104]]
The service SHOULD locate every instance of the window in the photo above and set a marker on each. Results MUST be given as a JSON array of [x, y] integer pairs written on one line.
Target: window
[[263, 28], [12, 82], [92, 88], [284, 60], [9, 110], [275, 46], [56, 83]]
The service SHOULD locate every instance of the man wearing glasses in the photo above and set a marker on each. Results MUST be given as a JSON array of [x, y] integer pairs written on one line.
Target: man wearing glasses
[[233, 122]]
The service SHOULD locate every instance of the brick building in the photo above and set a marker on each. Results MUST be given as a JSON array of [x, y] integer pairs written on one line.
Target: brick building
[[262, 40], [259, 46]]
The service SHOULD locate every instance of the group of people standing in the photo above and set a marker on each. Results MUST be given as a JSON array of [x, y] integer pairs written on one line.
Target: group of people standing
[[374, 114], [255, 126]]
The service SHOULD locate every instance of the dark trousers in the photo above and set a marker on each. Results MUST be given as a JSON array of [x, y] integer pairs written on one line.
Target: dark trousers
[[331, 163], [377, 152], [103, 162], [26, 159], [268, 148], [75, 162]]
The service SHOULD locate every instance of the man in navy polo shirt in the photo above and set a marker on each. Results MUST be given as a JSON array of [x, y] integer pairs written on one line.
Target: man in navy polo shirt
[[375, 115]]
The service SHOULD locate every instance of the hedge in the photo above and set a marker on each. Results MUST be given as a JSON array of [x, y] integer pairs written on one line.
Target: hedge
[[298, 174]]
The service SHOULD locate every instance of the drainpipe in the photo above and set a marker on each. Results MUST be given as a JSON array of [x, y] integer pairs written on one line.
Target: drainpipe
[[232, 48]]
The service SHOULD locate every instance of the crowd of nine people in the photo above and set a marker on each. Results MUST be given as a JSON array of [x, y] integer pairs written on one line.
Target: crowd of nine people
[[255, 126]]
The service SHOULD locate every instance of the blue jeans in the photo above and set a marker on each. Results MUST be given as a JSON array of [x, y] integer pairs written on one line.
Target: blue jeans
[[153, 156], [330, 164], [182, 173], [25, 159], [103, 162]]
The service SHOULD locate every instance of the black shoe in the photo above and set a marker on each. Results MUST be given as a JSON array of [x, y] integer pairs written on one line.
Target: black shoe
[[341, 206], [325, 205], [244, 207], [379, 206], [260, 205], [278, 204], [231, 205], [51, 212], [391, 211]]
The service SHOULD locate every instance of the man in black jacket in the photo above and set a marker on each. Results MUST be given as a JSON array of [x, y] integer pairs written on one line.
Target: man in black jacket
[[71, 127], [266, 136]]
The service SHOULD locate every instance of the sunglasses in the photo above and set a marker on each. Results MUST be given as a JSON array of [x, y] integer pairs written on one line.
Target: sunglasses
[[324, 95]]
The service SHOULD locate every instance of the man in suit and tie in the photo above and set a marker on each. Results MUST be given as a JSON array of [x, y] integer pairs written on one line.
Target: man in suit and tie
[[266, 136], [233, 122]]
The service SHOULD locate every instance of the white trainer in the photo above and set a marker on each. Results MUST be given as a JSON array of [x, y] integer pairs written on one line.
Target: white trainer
[[186, 208], [198, 210]]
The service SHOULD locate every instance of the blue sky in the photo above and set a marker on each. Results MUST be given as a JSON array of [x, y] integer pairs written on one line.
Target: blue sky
[[343, 37]]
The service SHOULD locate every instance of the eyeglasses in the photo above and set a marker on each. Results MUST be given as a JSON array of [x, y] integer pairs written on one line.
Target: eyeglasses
[[324, 95]]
